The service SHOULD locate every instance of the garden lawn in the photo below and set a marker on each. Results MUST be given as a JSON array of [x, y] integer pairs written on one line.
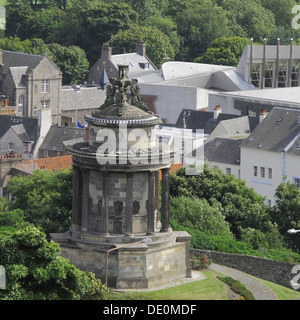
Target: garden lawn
[[206, 289]]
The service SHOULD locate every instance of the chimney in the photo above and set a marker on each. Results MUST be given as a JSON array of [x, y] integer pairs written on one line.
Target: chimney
[[217, 111], [106, 52], [262, 115], [141, 48]]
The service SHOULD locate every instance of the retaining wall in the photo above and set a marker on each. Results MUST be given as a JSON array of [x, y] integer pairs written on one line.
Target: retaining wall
[[274, 271]]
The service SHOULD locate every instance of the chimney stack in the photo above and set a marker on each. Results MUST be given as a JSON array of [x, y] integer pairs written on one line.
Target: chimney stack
[[106, 52], [141, 48], [217, 111], [262, 115]]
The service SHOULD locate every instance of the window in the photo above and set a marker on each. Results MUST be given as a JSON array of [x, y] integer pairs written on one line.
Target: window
[[297, 182], [10, 146], [282, 69], [228, 170], [270, 173], [20, 104], [262, 172], [255, 171], [269, 75], [26, 148], [45, 86], [295, 73], [45, 104], [255, 74], [46, 154]]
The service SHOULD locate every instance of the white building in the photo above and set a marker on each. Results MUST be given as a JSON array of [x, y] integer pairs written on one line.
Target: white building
[[271, 154]]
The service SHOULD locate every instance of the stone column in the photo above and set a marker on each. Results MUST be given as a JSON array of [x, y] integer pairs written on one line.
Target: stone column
[[157, 199], [129, 204], [76, 200], [105, 213], [151, 203], [165, 200], [85, 199]]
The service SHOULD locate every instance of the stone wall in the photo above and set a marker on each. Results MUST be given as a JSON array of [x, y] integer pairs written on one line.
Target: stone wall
[[274, 271]]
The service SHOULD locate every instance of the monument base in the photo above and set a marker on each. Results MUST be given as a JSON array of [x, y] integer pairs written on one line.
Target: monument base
[[124, 262]]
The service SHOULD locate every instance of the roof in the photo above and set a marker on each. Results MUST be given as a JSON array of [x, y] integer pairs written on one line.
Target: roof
[[52, 163], [86, 97], [56, 136], [278, 132], [18, 59], [136, 62], [178, 69], [223, 150], [197, 119], [17, 75], [29, 124], [21, 132], [235, 127], [286, 96]]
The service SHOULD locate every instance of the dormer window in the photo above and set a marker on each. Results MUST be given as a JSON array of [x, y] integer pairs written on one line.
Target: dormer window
[[144, 65]]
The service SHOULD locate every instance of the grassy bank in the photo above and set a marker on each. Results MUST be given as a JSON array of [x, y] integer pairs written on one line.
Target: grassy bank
[[210, 288]]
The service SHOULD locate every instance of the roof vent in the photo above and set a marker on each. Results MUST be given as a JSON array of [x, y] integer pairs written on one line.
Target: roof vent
[[279, 120]]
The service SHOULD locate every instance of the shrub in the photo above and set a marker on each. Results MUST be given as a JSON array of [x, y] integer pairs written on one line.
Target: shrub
[[238, 287], [201, 262]]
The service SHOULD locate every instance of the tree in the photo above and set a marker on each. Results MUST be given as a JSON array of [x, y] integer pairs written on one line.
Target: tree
[[241, 206], [35, 271], [247, 18], [282, 11], [158, 44], [198, 214], [286, 212], [45, 197], [89, 24], [224, 51], [198, 23], [168, 27], [71, 60]]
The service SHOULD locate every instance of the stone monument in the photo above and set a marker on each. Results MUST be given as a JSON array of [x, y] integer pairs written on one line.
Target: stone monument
[[120, 227]]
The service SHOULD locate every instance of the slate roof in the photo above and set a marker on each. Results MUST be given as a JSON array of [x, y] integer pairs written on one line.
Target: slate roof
[[135, 62], [17, 75], [18, 59], [57, 135], [198, 119], [21, 132], [30, 125], [223, 150], [278, 132]]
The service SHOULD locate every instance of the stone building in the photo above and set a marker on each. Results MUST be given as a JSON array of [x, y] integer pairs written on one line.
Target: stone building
[[120, 224]]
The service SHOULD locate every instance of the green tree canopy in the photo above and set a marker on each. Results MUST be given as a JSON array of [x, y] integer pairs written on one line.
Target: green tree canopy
[[241, 206], [198, 214], [224, 51], [248, 18], [45, 197], [286, 212], [35, 271], [71, 60], [198, 23]]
